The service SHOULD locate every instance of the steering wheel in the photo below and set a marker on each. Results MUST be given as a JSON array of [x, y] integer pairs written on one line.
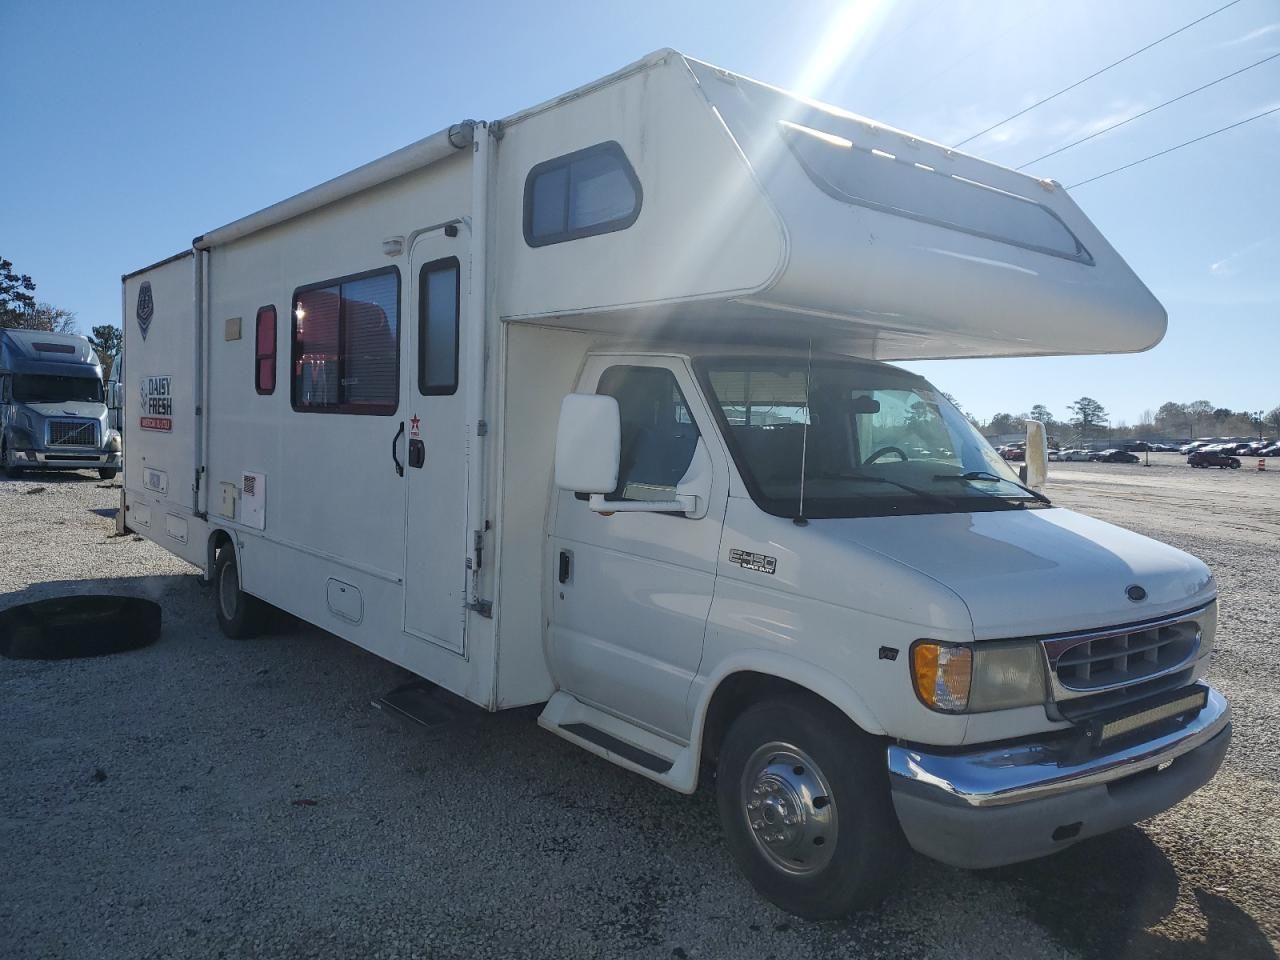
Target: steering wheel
[[882, 451]]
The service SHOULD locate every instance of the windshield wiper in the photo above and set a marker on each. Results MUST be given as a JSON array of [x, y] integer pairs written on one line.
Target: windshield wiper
[[923, 494], [984, 475]]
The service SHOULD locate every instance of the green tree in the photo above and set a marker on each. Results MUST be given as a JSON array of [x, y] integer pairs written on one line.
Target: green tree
[[1041, 412], [47, 317], [106, 342], [1087, 415], [1172, 416], [17, 295], [1197, 412], [1004, 423], [1273, 417]]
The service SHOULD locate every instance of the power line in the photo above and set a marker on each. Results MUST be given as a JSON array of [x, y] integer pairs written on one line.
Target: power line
[[1187, 143], [1144, 113], [1097, 73]]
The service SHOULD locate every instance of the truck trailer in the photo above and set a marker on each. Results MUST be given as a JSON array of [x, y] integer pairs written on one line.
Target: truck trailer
[[592, 407]]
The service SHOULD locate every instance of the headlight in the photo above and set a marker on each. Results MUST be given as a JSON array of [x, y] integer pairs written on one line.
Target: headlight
[[1208, 628], [113, 442], [976, 678]]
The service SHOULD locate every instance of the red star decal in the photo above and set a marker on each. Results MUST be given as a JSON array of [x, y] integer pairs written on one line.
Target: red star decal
[[413, 422]]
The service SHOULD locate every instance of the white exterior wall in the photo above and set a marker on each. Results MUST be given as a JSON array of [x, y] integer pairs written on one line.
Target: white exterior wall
[[335, 507], [705, 232], [159, 465]]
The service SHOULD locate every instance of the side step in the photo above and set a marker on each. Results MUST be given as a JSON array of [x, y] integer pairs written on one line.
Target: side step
[[606, 741], [635, 748], [424, 703]]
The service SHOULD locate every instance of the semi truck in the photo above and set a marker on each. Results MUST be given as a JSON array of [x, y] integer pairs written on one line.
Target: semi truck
[[52, 410], [594, 407]]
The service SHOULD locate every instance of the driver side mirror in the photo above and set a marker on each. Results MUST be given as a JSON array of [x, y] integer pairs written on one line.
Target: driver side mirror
[[1036, 470], [588, 444]]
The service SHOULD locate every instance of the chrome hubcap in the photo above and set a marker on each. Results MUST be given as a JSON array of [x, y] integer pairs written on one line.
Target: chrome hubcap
[[789, 809], [228, 589]]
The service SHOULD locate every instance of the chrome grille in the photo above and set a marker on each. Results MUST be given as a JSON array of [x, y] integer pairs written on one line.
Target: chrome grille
[[1085, 664], [73, 433], [1102, 662]]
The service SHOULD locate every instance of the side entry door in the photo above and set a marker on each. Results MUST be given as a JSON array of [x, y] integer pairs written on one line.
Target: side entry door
[[435, 454], [631, 592]]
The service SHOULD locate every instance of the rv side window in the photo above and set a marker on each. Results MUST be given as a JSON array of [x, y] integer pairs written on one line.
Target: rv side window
[[346, 336], [580, 194], [855, 174], [264, 363], [658, 433], [438, 328]]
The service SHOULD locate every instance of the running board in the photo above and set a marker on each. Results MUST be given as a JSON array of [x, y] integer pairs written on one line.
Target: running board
[[611, 744], [635, 748]]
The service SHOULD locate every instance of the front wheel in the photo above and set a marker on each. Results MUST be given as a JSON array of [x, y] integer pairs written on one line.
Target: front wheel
[[107, 473], [12, 471], [1234, 464], [804, 803], [239, 615]]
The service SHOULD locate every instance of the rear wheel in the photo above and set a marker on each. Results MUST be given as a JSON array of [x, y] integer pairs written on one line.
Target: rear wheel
[[804, 803], [239, 615], [1234, 464]]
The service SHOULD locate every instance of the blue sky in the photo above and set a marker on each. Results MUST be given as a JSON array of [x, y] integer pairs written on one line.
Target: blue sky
[[131, 127]]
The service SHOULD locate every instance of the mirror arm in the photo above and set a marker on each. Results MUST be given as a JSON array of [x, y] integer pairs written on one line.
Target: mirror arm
[[683, 503]]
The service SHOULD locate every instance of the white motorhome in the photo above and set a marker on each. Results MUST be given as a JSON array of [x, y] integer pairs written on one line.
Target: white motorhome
[[589, 407]]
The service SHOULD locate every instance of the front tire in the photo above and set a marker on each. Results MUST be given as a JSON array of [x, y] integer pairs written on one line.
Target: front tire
[[805, 807], [107, 473], [240, 616], [11, 471]]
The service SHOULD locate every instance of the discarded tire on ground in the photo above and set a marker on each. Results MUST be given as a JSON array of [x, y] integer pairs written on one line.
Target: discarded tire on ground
[[79, 626]]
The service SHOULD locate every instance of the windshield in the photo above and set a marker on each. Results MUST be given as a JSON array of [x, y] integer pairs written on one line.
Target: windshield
[[37, 388], [875, 441]]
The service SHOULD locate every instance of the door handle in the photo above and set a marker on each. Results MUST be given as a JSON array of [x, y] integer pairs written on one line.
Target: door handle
[[566, 566], [394, 458]]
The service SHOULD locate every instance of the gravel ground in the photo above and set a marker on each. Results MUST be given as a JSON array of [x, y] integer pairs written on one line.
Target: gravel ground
[[205, 798]]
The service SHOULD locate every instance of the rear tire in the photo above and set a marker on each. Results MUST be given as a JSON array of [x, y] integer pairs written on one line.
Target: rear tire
[[1235, 464], [240, 616], [107, 473], [805, 807]]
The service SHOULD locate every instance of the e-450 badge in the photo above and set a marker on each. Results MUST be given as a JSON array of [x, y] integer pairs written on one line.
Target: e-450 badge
[[758, 562]]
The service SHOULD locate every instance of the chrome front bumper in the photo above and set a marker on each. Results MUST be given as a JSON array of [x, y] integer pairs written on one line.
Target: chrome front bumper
[[70, 459], [1005, 804]]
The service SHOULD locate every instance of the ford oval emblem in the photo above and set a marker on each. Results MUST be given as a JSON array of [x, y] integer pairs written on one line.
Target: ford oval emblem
[[1135, 593]]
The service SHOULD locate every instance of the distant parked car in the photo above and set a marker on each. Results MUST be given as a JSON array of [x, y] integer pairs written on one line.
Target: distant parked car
[[1271, 451], [1054, 455], [1075, 454], [1114, 456], [1138, 446], [1192, 447], [1012, 453], [1213, 457]]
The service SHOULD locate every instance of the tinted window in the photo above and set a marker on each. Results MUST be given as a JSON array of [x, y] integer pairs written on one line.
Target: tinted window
[[853, 174], [264, 351], [438, 328], [346, 345], [870, 440], [38, 388], [580, 194], [658, 433]]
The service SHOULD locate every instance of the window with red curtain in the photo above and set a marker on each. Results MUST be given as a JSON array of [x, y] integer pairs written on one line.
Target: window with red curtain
[[346, 345], [264, 375]]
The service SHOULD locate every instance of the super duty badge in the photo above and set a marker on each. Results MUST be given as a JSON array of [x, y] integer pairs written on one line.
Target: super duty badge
[[753, 561]]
